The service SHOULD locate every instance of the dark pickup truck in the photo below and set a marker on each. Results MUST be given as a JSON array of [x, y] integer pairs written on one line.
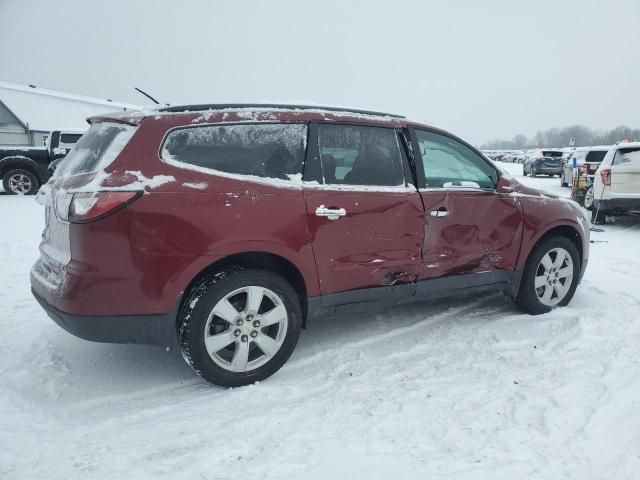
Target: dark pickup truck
[[24, 169]]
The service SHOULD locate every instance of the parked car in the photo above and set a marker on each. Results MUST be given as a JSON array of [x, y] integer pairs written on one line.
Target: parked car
[[616, 184], [545, 162], [522, 157], [223, 229], [24, 169], [590, 157]]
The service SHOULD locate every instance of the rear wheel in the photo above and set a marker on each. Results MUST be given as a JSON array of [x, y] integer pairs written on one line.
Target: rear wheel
[[20, 181], [550, 276], [240, 326]]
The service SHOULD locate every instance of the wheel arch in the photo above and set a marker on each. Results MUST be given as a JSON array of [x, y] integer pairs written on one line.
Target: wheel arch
[[563, 230], [20, 161], [254, 259]]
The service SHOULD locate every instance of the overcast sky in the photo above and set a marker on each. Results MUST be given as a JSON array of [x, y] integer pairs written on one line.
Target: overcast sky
[[481, 69]]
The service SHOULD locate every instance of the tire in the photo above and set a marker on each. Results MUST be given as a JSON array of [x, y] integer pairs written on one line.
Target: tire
[[524, 172], [231, 289], [588, 199], [19, 181], [530, 299]]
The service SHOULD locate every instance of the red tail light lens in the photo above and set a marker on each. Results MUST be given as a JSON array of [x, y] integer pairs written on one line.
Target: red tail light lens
[[90, 206], [605, 175]]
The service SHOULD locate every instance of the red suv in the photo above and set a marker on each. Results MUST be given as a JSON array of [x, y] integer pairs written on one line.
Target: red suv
[[223, 228]]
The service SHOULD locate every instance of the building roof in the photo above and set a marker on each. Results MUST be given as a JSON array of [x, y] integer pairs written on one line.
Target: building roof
[[44, 109]]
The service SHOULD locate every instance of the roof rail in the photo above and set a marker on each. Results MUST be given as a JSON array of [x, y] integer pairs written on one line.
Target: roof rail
[[231, 106]]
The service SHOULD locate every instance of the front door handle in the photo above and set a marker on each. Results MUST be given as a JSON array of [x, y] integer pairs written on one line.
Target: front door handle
[[441, 212], [330, 213]]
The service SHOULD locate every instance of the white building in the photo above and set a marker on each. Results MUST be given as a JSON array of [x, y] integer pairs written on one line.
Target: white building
[[28, 113]]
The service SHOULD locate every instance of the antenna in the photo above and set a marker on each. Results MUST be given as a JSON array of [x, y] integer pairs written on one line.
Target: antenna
[[148, 96]]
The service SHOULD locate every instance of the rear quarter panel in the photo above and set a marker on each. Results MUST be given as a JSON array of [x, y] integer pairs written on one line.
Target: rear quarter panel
[[180, 227]]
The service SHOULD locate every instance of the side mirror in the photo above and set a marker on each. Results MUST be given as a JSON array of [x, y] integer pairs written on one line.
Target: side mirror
[[505, 185]]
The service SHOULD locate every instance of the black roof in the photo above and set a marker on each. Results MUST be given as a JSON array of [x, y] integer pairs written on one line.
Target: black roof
[[231, 106]]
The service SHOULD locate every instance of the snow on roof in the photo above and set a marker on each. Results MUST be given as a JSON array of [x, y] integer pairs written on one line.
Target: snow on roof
[[44, 109]]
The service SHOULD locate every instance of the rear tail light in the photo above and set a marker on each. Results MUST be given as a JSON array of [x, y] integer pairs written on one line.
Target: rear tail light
[[87, 207], [605, 175]]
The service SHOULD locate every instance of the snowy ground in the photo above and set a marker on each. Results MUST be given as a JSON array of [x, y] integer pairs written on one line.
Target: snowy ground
[[457, 389]]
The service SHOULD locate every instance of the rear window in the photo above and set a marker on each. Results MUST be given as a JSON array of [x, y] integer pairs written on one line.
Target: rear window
[[547, 153], [261, 150], [595, 156], [96, 149], [70, 137], [627, 156]]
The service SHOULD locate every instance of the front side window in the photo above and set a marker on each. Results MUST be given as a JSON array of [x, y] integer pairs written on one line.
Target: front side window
[[360, 155], [448, 163], [261, 150]]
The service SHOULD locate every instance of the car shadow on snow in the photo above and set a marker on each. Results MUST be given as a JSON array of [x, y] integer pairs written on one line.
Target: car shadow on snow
[[111, 369]]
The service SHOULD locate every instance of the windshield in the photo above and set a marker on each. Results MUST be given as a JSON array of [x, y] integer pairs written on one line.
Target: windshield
[[96, 149]]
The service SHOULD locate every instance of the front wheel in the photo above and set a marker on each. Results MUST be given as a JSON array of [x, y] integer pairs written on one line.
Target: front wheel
[[240, 326], [550, 276], [588, 198], [20, 181]]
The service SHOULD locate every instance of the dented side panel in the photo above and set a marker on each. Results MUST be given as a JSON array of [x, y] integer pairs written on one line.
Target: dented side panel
[[377, 243], [481, 232]]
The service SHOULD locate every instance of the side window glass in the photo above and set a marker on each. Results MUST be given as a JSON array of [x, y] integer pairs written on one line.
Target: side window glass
[[448, 163], [358, 155], [627, 156], [266, 150]]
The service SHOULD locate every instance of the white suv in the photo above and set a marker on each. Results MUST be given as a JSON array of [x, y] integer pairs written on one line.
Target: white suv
[[616, 184]]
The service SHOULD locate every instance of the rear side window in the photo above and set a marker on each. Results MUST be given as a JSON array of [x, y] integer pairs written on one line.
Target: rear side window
[[627, 156], [260, 150], [595, 156], [96, 149], [360, 155]]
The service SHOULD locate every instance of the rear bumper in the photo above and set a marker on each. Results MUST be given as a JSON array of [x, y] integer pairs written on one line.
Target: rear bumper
[[158, 330], [618, 204]]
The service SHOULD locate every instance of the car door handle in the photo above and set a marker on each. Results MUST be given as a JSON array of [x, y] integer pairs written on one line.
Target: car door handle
[[330, 213], [441, 212]]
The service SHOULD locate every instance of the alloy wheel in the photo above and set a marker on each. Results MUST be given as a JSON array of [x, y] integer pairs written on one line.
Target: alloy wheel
[[588, 198], [246, 328], [19, 183], [554, 277]]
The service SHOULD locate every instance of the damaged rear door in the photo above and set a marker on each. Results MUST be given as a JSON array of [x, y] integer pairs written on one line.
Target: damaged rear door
[[366, 219], [469, 226]]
